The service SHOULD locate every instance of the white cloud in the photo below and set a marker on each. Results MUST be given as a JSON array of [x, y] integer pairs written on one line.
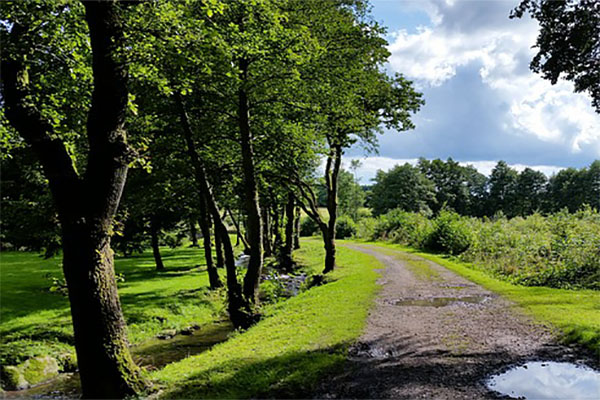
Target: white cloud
[[480, 34]]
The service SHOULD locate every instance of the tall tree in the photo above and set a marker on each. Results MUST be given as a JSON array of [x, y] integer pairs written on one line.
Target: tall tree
[[86, 202], [502, 185], [568, 42], [404, 187]]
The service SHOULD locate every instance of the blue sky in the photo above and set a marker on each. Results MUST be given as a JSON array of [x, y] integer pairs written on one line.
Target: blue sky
[[483, 104]]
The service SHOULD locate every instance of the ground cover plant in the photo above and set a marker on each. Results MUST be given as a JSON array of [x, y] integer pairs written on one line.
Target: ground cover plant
[[560, 250]]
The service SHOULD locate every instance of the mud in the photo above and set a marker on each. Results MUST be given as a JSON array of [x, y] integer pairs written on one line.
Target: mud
[[433, 334]]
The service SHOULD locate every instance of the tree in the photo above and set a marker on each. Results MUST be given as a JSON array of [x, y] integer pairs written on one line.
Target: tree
[[86, 201], [530, 191], [502, 184], [351, 195], [404, 187], [349, 96], [568, 42]]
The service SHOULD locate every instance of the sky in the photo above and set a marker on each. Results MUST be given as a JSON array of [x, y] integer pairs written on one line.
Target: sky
[[483, 104]]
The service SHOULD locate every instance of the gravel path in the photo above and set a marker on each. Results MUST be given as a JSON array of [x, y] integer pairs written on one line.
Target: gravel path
[[434, 334]]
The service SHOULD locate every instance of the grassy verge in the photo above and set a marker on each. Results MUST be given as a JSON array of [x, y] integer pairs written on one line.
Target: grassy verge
[[576, 313], [299, 341], [36, 321]]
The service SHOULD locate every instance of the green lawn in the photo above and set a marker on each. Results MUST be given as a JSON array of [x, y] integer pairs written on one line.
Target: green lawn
[[575, 313], [287, 352], [35, 321]]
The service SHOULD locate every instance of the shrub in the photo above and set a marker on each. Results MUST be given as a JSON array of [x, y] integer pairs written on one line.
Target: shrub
[[308, 227], [451, 234], [404, 227], [345, 227]]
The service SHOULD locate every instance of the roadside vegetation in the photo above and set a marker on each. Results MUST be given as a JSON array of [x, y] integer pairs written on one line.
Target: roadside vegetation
[[560, 250]]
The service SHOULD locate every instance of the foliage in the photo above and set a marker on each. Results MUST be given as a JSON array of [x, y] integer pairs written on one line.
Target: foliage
[[345, 227], [308, 227], [561, 250], [403, 187], [568, 42]]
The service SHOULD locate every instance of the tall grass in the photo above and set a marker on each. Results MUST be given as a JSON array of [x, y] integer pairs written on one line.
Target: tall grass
[[561, 250]]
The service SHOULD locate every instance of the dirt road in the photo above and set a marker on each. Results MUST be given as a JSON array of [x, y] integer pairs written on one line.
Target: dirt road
[[434, 334]]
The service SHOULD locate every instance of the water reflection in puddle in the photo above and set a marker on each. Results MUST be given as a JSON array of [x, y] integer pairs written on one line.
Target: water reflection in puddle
[[548, 380], [441, 301]]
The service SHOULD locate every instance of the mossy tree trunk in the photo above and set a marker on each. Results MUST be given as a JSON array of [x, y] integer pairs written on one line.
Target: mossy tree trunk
[[193, 233], [288, 247], [205, 222], [86, 205], [154, 230], [297, 228], [250, 188]]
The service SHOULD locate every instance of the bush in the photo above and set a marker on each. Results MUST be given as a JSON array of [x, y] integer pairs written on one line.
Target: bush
[[412, 229], [345, 227], [451, 234], [308, 227]]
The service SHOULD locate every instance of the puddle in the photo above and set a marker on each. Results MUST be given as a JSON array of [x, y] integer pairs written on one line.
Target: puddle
[[442, 301], [548, 380], [152, 354]]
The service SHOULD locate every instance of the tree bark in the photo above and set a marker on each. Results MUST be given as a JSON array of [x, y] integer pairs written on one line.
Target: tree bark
[[255, 229], [204, 221], [297, 228], [331, 180], [237, 307], [238, 230], [219, 249], [86, 206], [266, 223], [193, 233], [286, 252], [155, 248]]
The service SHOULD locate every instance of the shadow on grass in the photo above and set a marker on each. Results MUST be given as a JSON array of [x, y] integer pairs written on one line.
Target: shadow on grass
[[291, 375]]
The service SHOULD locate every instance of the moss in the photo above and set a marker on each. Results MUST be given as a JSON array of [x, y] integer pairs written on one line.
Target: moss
[[40, 369], [67, 362], [13, 379]]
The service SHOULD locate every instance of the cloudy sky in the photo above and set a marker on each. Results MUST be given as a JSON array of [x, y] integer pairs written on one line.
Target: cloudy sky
[[483, 104]]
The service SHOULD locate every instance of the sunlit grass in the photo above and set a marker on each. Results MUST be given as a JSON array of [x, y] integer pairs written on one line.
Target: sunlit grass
[[297, 343]]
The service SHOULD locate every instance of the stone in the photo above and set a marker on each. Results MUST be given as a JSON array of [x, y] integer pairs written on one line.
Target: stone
[[13, 378], [167, 334], [40, 369]]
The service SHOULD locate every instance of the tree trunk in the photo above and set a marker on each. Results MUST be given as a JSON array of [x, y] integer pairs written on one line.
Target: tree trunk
[[219, 250], [205, 222], [237, 307], [238, 231], [266, 222], [255, 229], [331, 180], [297, 229], [155, 249], [193, 233], [288, 247], [277, 219], [86, 206], [106, 368]]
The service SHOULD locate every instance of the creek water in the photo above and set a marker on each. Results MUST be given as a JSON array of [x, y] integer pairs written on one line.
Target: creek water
[[152, 354], [547, 380]]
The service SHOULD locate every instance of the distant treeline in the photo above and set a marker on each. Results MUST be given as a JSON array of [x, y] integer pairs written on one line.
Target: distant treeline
[[431, 186]]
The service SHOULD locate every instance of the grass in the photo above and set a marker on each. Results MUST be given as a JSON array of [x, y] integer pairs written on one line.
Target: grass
[[35, 321], [575, 313], [298, 342]]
